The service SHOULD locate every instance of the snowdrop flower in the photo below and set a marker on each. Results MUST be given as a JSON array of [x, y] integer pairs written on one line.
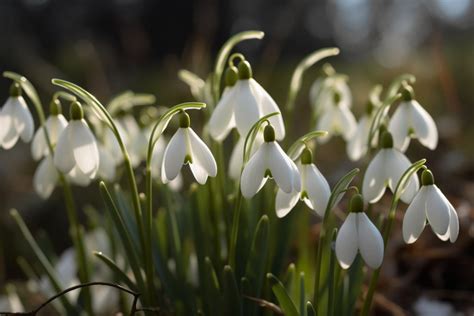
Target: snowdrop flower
[[157, 161], [410, 120], [385, 170], [107, 163], [242, 106], [357, 147], [15, 119], [185, 147], [54, 125], [322, 90], [337, 120], [315, 189], [269, 161], [430, 205], [77, 146], [358, 233], [236, 158], [45, 178]]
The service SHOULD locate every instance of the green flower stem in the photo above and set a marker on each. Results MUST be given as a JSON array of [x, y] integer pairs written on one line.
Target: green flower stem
[[69, 200], [235, 228], [388, 228]]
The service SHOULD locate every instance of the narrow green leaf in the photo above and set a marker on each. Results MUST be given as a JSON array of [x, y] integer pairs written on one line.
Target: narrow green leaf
[[297, 77], [49, 269], [119, 272], [310, 311], [212, 289], [124, 234], [303, 311], [224, 53], [286, 304], [232, 299]]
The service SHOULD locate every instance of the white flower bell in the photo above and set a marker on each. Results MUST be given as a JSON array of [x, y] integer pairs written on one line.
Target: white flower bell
[[358, 233], [322, 90], [243, 105], [385, 170], [15, 119], [430, 205], [185, 147], [269, 161], [55, 124], [337, 120], [157, 161], [237, 156], [77, 146], [45, 177], [314, 192], [410, 120], [357, 147]]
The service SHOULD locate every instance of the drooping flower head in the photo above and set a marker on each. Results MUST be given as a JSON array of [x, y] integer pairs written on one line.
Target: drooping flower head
[[359, 234], [410, 120], [186, 148], [357, 146], [430, 206], [314, 192], [269, 161], [55, 124], [15, 119], [244, 104], [337, 119], [385, 170], [77, 146]]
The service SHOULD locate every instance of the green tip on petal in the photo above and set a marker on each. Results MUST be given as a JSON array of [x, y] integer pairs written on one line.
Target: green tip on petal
[[269, 134], [356, 204], [407, 93], [231, 76], [306, 156], [55, 107], [245, 70], [184, 120], [427, 177], [386, 141], [15, 90], [337, 97], [76, 111]]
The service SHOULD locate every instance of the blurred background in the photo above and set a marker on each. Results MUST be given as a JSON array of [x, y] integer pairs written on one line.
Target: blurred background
[[110, 46]]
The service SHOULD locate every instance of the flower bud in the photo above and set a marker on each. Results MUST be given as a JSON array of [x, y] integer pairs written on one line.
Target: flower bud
[[55, 107], [15, 90], [269, 134], [407, 93], [76, 111], [356, 204], [245, 70], [231, 76], [184, 120], [427, 177], [306, 156], [386, 141]]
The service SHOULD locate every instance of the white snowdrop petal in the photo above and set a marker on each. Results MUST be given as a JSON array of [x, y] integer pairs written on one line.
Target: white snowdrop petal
[[222, 118], [437, 210], [55, 125], [173, 158], [280, 167], [357, 146], [326, 123], [84, 147], [63, 156], [246, 109], [107, 167], [424, 126], [370, 242], [253, 174], [396, 165], [374, 183], [267, 106], [45, 178], [346, 241], [347, 123], [177, 183], [77, 177], [157, 157], [317, 188], [22, 119], [296, 178], [200, 174], [236, 159], [399, 127], [285, 202], [5, 120], [201, 153], [453, 224], [414, 220], [38, 145]]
